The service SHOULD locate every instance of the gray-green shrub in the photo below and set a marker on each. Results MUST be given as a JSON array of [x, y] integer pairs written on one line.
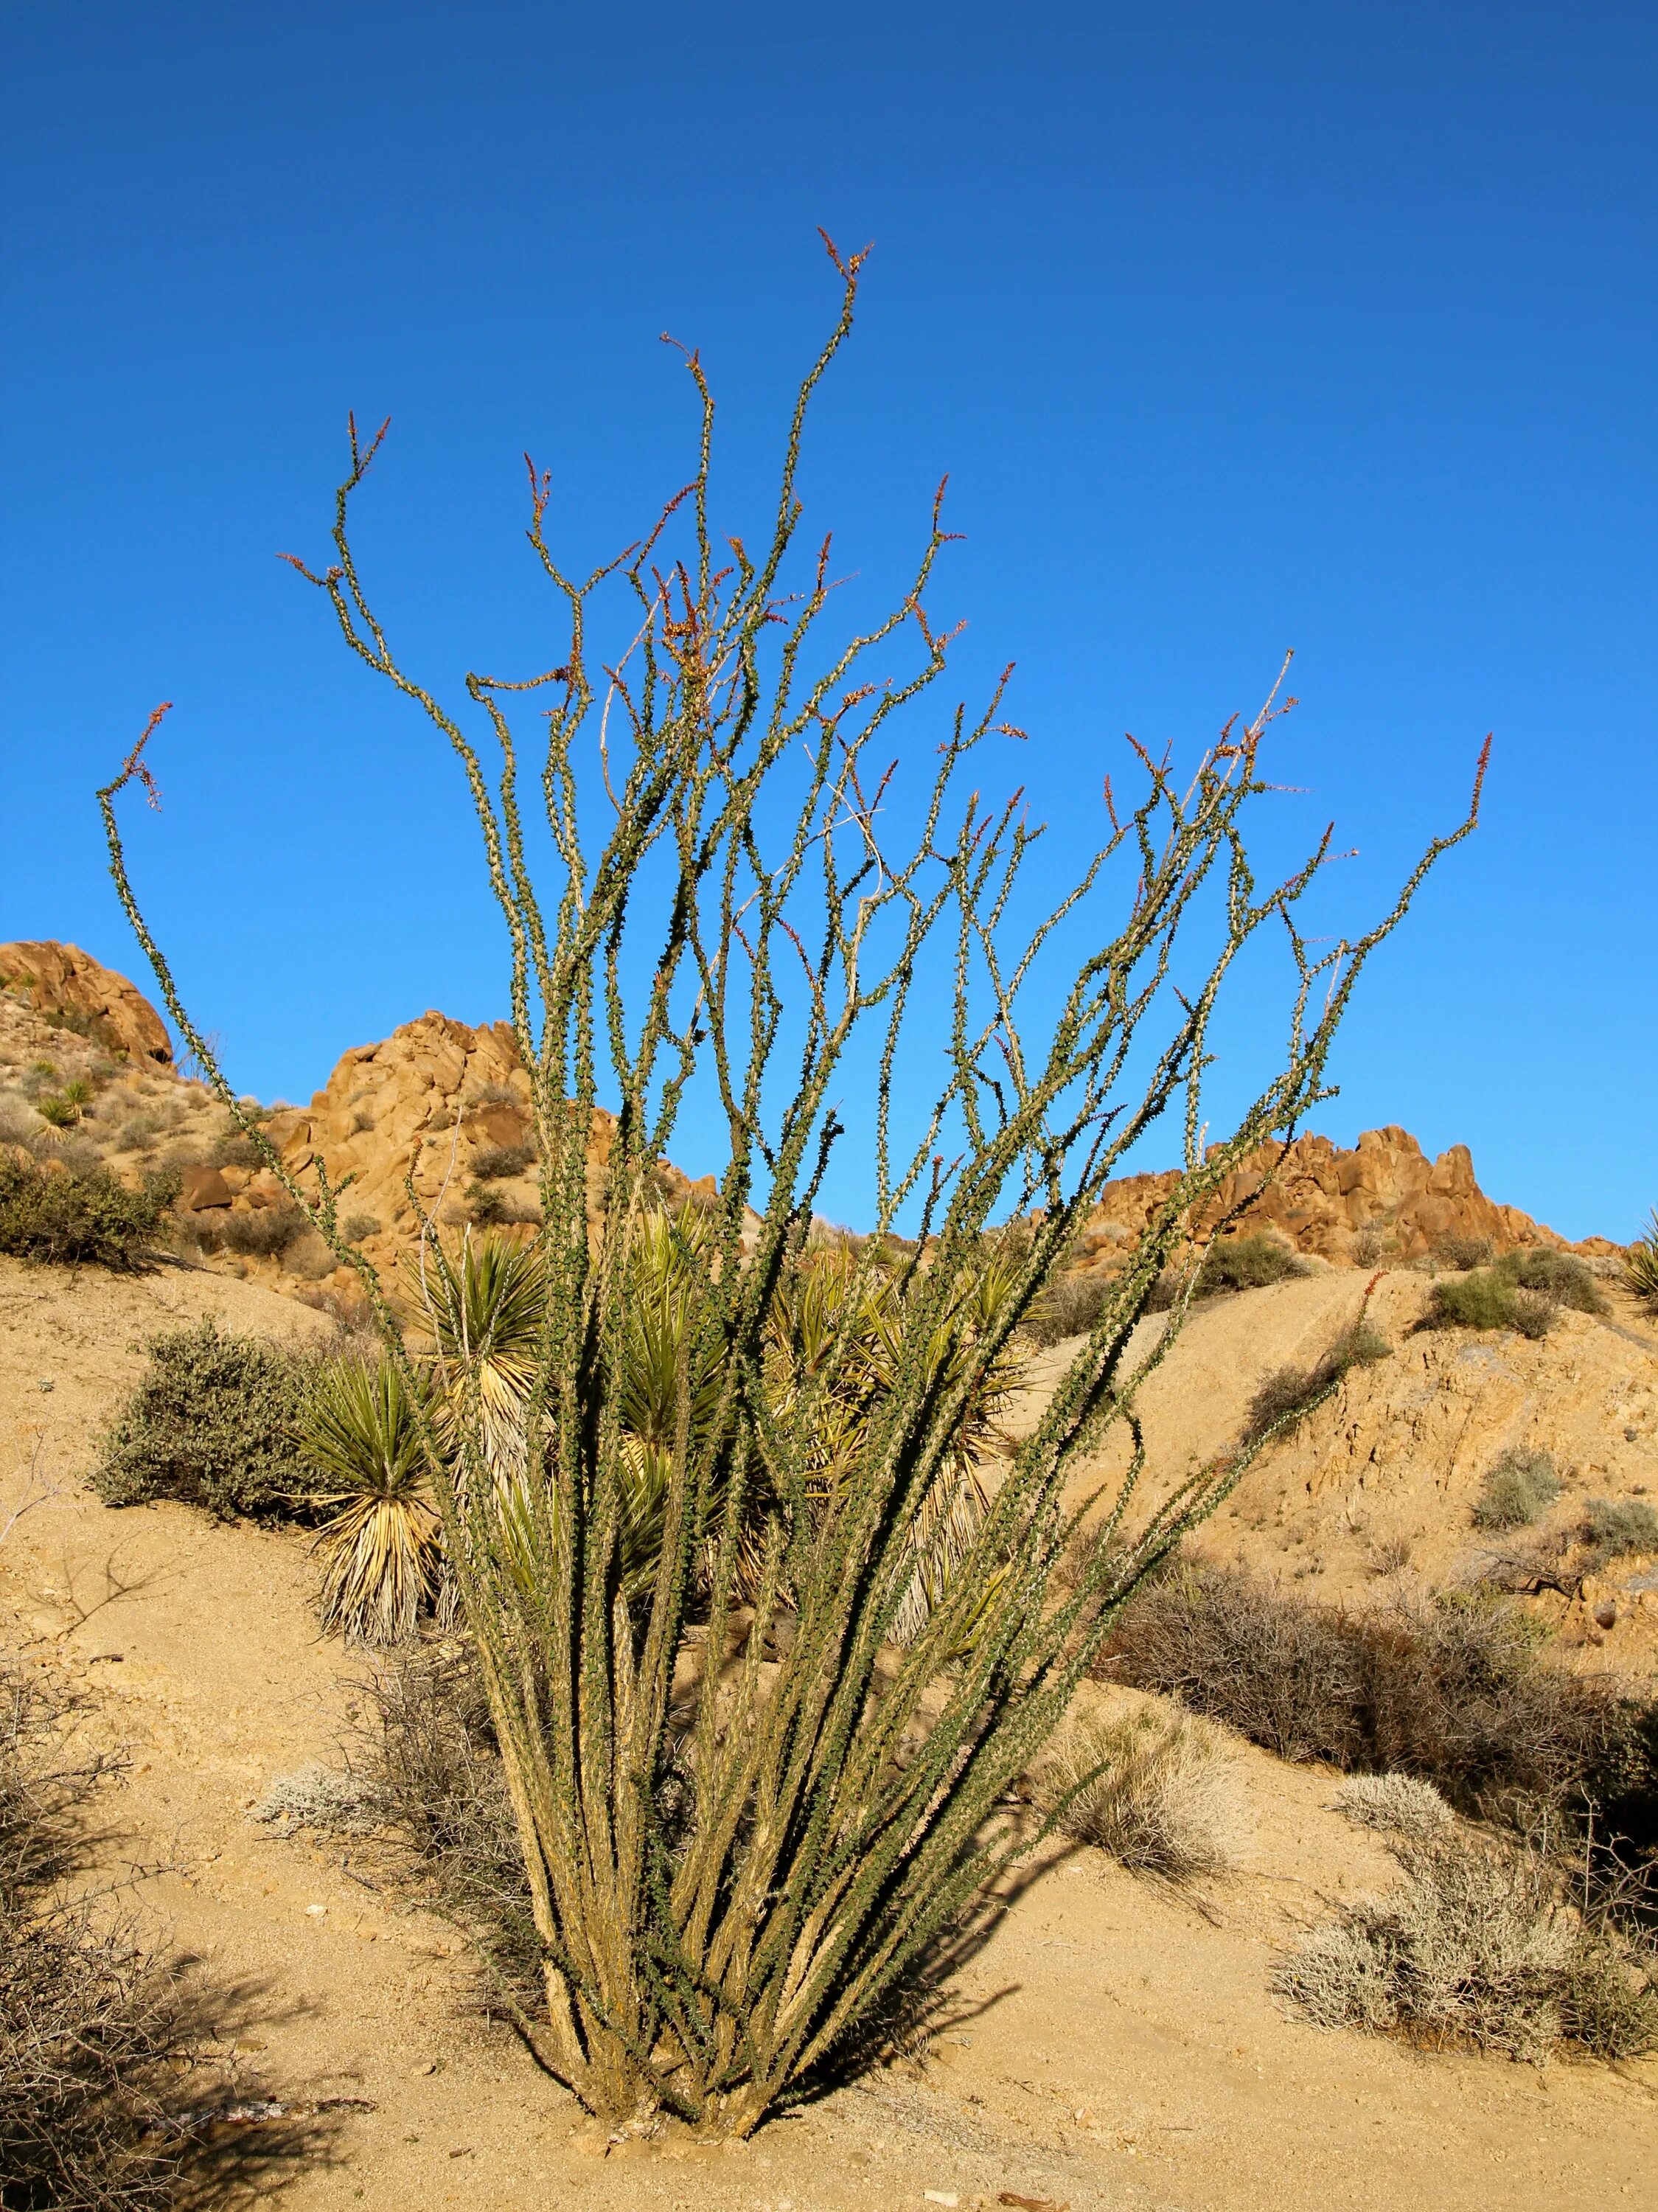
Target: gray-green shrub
[[1519, 1485], [212, 1422]]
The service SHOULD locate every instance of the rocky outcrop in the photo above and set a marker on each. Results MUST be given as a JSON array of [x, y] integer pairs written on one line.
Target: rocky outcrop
[[1384, 1198], [65, 984]]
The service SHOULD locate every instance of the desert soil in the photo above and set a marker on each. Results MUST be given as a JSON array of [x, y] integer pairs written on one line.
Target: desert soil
[[1114, 2045]]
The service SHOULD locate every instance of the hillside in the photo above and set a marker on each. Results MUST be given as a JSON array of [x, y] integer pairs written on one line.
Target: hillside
[[1113, 2048]]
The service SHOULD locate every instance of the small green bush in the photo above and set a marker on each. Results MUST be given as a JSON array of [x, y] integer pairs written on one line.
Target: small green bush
[[1561, 1277], [1614, 1527], [1519, 1485], [86, 1219], [1232, 1263], [1483, 1298], [212, 1423], [62, 1113]]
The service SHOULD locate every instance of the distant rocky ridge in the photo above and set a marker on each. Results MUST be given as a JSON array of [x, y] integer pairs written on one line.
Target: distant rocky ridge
[[61, 981], [1383, 1200], [445, 1106]]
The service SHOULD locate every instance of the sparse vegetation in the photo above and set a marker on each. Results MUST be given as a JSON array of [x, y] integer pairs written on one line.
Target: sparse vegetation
[[92, 2031], [1520, 1485], [69, 1217], [1477, 1945], [212, 1423], [1154, 1790]]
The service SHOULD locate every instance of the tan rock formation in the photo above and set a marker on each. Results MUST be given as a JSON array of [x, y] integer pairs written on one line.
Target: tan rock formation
[[61, 980], [1384, 1197]]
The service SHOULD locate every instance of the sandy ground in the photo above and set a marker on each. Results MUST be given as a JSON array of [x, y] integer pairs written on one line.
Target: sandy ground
[[1114, 2045]]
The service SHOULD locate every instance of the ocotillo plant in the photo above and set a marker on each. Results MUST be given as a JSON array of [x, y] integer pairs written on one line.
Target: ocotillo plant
[[749, 1815]]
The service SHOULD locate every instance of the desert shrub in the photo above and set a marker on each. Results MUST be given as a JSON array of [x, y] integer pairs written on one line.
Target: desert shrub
[[1614, 1528], [1519, 1487], [1560, 1276], [1070, 1308], [330, 1799], [139, 1134], [212, 1423], [492, 1162], [1464, 1253], [1456, 1693], [425, 1753], [257, 1233], [1484, 1298], [1372, 1243], [1393, 1804], [92, 2031], [1288, 1394], [1477, 1946], [1154, 1790], [1641, 1263], [488, 1208], [1251, 1262], [359, 1433], [356, 1226], [234, 1148], [714, 1950], [90, 1217]]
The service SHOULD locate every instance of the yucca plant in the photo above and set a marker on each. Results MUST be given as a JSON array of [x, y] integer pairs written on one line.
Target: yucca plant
[[1641, 1263], [737, 1864], [365, 1431]]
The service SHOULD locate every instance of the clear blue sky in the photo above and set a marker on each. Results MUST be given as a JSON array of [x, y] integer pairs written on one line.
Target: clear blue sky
[[1236, 329]]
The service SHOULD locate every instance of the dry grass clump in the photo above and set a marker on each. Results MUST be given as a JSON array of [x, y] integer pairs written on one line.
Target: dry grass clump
[[1519, 1487], [1613, 1528], [257, 1233], [1393, 1804], [1154, 1790], [212, 1422], [1456, 1692], [85, 1216], [426, 1757], [1477, 1947], [490, 1163], [1070, 1308], [328, 1798], [91, 2027], [1464, 1253]]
